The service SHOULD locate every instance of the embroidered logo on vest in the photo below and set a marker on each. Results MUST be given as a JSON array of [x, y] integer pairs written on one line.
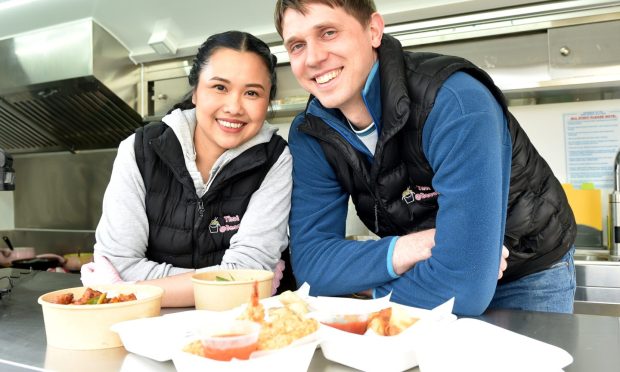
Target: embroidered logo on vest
[[424, 192], [408, 195], [231, 223], [214, 226]]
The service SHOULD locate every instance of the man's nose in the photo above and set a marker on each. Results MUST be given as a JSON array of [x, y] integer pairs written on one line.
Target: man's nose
[[315, 54]]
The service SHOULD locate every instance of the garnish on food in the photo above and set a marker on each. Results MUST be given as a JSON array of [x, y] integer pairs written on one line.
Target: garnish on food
[[222, 279]]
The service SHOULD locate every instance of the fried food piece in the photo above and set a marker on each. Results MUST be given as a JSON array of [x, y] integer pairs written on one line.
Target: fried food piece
[[379, 321], [284, 327], [294, 302], [89, 294], [121, 298], [399, 321], [63, 299], [390, 321], [255, 311], [92, 297], [194, 347]]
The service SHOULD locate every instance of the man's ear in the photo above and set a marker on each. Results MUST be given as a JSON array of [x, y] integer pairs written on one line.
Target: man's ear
[[377, 26]]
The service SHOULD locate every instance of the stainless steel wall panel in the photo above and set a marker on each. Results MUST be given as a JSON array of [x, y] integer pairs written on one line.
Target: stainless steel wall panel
[[512, 61], [585, 50], [61, 191]]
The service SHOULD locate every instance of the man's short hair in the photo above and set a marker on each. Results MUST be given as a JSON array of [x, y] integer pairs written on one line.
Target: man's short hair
[[361, 10]]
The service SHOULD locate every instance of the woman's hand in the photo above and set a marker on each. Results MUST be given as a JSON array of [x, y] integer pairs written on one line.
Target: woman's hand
[[100, 271], [278, 273]]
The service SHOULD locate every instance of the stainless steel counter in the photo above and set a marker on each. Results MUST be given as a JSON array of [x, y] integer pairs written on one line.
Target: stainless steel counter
[[593, 341], [598, 283]]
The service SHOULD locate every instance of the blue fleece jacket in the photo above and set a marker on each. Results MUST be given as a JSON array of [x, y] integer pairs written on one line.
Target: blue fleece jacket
[[467, 143]]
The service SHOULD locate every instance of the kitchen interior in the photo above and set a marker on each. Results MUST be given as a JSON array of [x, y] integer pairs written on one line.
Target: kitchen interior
[[73, 84], [63, 115]]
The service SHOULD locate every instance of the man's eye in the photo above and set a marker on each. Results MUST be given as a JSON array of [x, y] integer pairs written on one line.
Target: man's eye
[[329, 34], [296, 47]]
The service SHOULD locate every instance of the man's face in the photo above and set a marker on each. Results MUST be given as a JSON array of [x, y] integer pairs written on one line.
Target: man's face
[[331, 53]]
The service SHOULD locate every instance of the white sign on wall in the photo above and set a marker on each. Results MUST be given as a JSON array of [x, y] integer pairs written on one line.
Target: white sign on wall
[[592, 140]]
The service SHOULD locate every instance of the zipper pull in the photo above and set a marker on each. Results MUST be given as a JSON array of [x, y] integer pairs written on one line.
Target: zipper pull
[[201, 208], [376, 219]]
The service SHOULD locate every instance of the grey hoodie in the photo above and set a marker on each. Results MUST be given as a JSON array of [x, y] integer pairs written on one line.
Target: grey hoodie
[[122, 233]]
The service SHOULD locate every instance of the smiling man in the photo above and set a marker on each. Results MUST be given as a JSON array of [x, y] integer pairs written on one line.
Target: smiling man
[[434, 163]]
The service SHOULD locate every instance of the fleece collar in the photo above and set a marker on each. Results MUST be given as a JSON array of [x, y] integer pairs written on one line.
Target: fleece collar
[[183, 124], [371, 94]]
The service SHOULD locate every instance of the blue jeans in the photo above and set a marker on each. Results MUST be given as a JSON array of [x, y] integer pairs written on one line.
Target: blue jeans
[[550, 290]]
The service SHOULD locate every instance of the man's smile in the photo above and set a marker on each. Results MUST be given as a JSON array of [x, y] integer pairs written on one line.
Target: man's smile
[[328, 76]]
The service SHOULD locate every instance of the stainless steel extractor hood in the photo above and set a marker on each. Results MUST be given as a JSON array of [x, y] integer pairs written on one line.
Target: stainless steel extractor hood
[[66, 88]]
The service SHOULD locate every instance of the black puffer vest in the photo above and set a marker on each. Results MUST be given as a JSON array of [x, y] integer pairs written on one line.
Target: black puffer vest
[[184, 230], [540, 225]]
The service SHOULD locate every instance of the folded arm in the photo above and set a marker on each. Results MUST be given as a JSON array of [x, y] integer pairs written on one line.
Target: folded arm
[[470, 154]]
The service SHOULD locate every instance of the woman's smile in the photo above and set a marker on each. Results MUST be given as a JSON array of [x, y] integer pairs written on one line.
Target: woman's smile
[[231, 125]]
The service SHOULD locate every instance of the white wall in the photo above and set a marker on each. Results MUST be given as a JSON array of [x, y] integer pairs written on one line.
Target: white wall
[[545, 127], [7, 221]]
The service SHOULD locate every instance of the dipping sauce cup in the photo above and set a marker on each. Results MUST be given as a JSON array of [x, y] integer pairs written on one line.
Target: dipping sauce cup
[[357, 323], [236, 339]]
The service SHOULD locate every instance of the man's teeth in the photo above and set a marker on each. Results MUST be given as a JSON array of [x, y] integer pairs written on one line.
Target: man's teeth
[[228, 124], [327, 77]]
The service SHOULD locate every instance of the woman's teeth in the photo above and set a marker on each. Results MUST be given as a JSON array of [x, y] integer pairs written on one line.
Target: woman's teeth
[[327, 77], [228, 124]]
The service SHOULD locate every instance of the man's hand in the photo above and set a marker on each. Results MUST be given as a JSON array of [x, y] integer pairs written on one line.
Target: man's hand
[[503, 264], [412, 248]]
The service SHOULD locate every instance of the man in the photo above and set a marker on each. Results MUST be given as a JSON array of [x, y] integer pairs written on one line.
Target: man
[[430, 155]]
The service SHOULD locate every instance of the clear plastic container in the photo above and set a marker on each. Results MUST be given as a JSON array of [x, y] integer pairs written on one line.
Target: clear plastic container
[[353, 323], [235, 339]]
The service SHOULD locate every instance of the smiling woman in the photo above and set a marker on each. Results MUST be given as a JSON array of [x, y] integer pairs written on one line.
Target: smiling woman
[[232, 97], [206, 188]]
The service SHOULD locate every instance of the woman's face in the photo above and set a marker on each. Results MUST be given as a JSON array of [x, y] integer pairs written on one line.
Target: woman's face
[[231, 98]]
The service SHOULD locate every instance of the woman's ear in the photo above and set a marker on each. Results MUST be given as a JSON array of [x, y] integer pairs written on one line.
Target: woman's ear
[[194, 97], [376, 25]]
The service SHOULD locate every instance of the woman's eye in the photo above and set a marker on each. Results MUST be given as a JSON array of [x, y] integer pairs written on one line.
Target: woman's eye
[[252, 93], [219, 87]]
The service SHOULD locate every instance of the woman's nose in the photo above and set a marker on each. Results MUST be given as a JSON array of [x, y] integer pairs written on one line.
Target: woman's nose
[[233, 105]]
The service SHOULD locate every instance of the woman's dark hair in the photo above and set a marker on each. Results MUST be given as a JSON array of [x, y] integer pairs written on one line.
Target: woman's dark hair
[[235, 40]]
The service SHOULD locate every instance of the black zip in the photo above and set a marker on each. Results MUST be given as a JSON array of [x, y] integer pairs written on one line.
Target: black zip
[[376, 219], [201, 209], [196, 232]]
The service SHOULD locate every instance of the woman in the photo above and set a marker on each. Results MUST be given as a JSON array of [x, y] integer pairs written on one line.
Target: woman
[[208, 187]]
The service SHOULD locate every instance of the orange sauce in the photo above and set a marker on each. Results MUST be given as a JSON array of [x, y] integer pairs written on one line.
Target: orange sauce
[[357, 327], [242, 352]]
